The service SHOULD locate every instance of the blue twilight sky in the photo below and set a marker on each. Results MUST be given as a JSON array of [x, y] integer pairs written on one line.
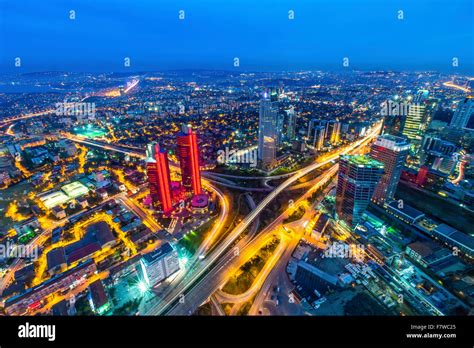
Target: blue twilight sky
[[258, 32]]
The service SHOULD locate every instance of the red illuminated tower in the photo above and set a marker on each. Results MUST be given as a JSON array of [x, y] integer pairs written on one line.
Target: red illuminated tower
[[189, 160], [158, 172]]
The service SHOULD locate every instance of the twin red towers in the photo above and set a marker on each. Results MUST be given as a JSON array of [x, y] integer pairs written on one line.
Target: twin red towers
[[158, 170]]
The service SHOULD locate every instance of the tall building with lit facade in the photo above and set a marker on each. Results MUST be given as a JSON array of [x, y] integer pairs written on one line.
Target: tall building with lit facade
[[356, 181], [395, 113], [267, 129], [418, 118], [159, 180], [392, 151], [159, 264], [463, 113], [291, 127], [188, 155], [318, 130], [280, 135], [318, 138], [413, 121], [334, 132]]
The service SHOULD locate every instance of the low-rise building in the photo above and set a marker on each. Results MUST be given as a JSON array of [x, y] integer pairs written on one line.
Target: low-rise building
[[404, 212], [427, 254], [32, 298], [58, 212], [98, 298], [452, 237]]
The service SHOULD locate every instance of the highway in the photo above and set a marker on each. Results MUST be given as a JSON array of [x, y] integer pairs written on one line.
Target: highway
[[452, 84], [279, 270], [23, 117], [202, 266], [231, 261], [245, 256]]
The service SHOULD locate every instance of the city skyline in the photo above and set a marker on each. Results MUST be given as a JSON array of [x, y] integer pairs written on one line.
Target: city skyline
[[310, 159]]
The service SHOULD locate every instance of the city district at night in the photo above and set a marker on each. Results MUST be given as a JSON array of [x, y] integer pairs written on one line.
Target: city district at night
[[258, 177]]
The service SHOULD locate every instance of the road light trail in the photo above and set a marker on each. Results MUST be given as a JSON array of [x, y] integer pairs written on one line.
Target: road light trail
[[242, 226], [212, 280], [453, 85], [203, 265]]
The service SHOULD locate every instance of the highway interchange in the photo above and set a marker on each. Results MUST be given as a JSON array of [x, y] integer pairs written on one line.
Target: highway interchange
[[209, 268]]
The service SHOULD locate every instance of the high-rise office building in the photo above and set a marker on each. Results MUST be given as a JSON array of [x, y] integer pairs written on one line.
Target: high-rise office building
[[311, 124], [280, 135], [435, 144], [188, 155], [438, 154], [267, 129], [392, 151], [159, 264], [463, 113], [334, 132], [418, 118], [158, 173], [317, 131], [393, 124], [356, 181], [291, 127], [413, 122], [318, 139]]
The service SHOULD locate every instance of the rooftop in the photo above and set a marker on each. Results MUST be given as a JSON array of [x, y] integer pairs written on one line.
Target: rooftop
[[55, 257], [98, 294], [362, 161], [455, 235], [158, 253], [406, 210], [422, 248], [60, 308], [75, 189], [56, 278]]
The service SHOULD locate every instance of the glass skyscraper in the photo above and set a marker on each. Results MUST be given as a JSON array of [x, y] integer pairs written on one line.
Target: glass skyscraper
[[418, 118], [463, 113], [267, 129], [392, 151], [356, 181], [291, 128]]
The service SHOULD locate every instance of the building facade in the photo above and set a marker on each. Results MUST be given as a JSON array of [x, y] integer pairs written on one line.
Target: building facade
[[159, 180], [357, 178], [188, 155], [463, 113], [159, 264], [392, 151], [267, 129]]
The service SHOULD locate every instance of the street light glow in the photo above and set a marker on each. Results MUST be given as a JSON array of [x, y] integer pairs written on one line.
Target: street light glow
[[143, 287]]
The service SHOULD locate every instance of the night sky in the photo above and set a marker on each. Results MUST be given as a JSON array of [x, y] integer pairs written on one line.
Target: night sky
[[258, 32]]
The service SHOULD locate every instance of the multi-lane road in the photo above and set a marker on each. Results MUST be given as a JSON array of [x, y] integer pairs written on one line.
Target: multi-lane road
[[218, 257], [202, 266]]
